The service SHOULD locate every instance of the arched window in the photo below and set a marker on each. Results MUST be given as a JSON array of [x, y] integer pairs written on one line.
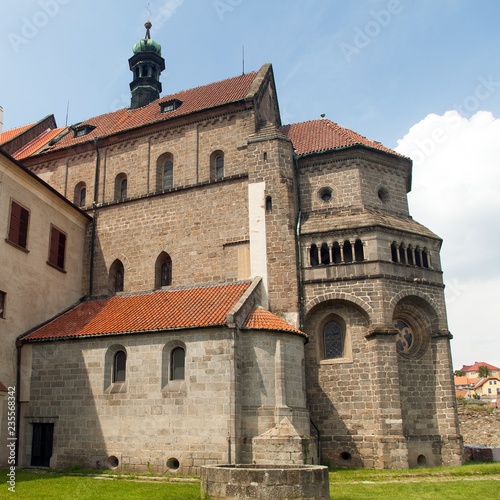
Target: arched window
[[177, 362], [359, 253], [418, 258], [269, 203], [409, 255], [402, 254], [425, 258], [116, 276], [325, 254], [333, 340], [347, 251], [394, 252], [80, 196], [120, 187], [163, 270], [119, 366], [336, 254], [168, 174], [313, 255], [216, 166], [219, 167]]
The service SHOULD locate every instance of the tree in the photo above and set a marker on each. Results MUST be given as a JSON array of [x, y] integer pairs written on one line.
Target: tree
[[459, 373], [484, 371]]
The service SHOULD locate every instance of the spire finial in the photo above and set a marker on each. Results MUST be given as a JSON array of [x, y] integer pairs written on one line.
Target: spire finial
[[148, 24]]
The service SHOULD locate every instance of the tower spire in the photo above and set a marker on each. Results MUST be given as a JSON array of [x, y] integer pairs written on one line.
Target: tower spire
[[146, 65]]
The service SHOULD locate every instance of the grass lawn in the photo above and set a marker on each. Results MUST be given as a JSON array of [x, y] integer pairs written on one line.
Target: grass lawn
[[468, 481]]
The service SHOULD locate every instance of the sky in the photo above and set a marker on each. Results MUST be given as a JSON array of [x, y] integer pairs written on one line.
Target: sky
[[420, 76]]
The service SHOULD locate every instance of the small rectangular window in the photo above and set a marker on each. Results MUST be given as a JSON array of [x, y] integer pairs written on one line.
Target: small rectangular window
[[57, 247], [18, 227], [3, 297]]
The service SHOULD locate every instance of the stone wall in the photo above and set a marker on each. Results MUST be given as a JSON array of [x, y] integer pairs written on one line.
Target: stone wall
[[480, 427]]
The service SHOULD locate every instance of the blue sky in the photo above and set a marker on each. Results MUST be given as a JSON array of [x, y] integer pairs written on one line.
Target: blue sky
[[389, 69]]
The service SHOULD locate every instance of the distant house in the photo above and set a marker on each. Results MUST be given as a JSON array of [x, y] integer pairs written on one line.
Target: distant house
[[464, 386], [487, 388], [472, 371]]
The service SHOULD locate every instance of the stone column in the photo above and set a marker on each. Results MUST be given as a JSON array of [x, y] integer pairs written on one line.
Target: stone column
[[390, 447], [447, 416]]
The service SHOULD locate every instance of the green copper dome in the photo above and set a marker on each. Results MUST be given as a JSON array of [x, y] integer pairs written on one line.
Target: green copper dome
[[146, 44]]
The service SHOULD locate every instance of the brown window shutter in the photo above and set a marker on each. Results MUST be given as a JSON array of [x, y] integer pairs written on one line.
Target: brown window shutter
[[18, 229]]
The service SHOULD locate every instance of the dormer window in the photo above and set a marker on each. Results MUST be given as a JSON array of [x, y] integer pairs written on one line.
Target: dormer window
[[83, 130], [167, 107]]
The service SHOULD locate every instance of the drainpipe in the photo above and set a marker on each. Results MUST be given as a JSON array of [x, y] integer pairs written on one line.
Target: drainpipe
[[319, 441], [298, 228], [94, 217], [18, 399]]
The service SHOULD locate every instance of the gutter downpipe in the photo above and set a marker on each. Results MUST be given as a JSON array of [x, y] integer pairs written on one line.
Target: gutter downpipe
[[298, 228], [18, 400], [94, 218], [301, 276]]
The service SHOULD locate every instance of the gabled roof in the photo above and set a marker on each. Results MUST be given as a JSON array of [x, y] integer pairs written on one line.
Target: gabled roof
[[39, 143], [482, 381], [8, 135], [476, 365], [318, 136], [463, 380], [167, 309], [188, 101]]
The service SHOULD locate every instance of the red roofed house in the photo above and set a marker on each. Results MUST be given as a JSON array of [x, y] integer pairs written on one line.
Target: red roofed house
[[240, 277], [472, 371]]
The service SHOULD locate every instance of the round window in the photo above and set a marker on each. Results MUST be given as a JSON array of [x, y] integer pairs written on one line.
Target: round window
[[383, 195], [325, 194], [405, 339]]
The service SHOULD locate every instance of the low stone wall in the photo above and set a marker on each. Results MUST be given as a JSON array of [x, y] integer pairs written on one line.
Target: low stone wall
[[264, 482], [480, 426]]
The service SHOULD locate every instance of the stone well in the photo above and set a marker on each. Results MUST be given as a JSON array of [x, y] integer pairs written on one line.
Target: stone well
[[276, 482]]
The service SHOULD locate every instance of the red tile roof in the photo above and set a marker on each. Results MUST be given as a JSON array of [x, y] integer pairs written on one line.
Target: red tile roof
[[38, 143], [2, 388], [8, 135], [482, 381], [193, 100], [476, 365], [262, 319], [324, 135], [154, 311]]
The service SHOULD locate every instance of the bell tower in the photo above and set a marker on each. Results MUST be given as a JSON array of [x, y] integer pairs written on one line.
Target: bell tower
[[146, 65]]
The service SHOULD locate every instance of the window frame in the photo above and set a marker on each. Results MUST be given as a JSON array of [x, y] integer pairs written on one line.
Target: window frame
[[175, 366], [341, 341], [18, 230], [119, 375], [57, 249], [168, 174], [347, 356], [3, 301]]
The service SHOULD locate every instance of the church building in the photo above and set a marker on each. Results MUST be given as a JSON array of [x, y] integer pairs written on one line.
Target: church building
[[251, 292]]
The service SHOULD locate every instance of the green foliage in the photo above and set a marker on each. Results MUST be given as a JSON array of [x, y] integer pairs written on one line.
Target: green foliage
[[459, 373], [484, 371]]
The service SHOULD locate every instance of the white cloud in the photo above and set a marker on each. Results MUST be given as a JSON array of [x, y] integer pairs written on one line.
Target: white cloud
[[166, 11], [456, 193]]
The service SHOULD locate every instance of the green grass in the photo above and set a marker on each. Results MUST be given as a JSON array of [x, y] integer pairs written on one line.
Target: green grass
[[58, 486], [468, 481]]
